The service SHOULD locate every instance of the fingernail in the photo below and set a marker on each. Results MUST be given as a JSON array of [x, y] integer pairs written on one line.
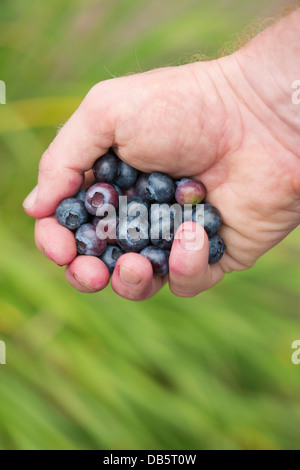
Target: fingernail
[[51, 258], [129, 277], [47, 254], [83, 283], [30, 200], [190, 240]]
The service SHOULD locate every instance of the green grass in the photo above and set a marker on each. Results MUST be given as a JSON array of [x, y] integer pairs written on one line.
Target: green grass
[[90, 372]]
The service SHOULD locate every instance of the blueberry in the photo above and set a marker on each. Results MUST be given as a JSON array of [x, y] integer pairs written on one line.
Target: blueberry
[[87, 241], [141, 186], [111, 256], [126, 175], [95, 221], [98, 195], [130, 192], [111, 240], [163, 211], [205, 215], [134, 206], [105, 168], [158, 258], [118, 189], [216, 249], [160, 187], [212, 219], [189, 191], [162, 227], [81, 195], [133, 235], [162, 234], [71, 213], [165, 221]]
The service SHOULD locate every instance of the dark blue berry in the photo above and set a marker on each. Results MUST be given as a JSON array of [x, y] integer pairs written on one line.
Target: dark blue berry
[[205, 215], [216, 249], [166, 211], [165, 221], [111, 256], [162, 233], [106, 167], [158, 258], [87, 241], [141, 186], [133, 234], [136, 205], [133, 209], [81, 195], [160, 187], [126, 175], [71, 213]]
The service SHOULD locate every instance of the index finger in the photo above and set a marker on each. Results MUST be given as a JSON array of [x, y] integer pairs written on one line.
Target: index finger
[[87, 135]]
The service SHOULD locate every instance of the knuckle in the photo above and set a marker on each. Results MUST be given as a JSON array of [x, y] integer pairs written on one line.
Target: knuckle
[[186, 270], [181, 292], [98, 93], [47, 161], [93, 93]]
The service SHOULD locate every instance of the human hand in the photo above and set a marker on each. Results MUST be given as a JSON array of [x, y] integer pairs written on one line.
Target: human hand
[[215, 121]]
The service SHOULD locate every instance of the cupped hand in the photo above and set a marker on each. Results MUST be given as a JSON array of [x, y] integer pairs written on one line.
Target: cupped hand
[[205, 120]]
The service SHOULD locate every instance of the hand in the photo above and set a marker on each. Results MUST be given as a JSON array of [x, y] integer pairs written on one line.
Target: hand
[[218, 121]]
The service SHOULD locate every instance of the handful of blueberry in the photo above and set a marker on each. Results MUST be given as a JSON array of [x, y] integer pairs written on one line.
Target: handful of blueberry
[[128, 211]]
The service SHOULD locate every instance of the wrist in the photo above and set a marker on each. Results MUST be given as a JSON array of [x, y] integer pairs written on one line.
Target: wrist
[[265, 76]]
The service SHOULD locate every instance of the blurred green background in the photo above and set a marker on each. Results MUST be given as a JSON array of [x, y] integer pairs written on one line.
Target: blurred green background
[[100, 372]]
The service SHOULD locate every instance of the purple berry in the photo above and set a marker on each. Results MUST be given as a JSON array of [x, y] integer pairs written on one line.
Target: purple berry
[[118, 189], [111, 240], [189, 192], [98, 195], [87, 241], [71, 213], [106, 167], [158, 258], [130, 193]]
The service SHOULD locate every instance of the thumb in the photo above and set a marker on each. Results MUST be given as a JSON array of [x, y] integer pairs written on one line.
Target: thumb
[[88, 134]]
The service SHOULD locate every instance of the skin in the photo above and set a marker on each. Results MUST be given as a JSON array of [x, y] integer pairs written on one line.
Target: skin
[[230, 122]]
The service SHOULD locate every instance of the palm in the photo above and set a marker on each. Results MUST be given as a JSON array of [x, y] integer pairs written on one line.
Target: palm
[[249, 180]]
